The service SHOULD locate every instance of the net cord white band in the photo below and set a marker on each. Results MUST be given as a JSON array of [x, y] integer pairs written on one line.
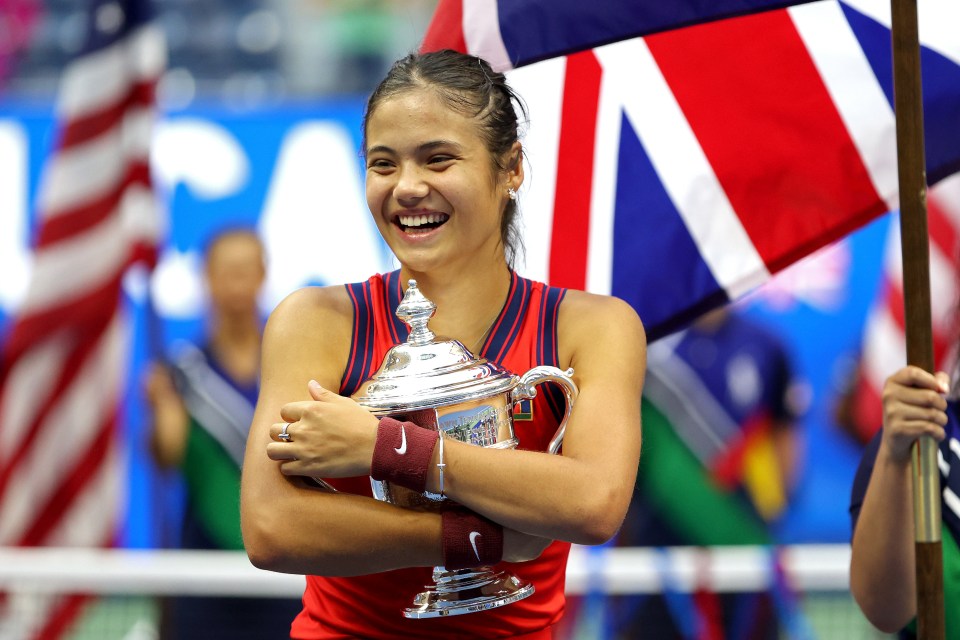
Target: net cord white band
[[607, 570]]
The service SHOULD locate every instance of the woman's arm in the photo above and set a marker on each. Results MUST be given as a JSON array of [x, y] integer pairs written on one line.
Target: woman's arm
[[290, 526], [882, 573], [580, 496]]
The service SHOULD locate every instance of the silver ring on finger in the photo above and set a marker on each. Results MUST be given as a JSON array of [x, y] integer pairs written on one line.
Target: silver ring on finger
[[283, 435]]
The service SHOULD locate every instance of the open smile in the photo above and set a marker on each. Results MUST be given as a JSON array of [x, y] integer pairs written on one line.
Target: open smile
[[420, 222]]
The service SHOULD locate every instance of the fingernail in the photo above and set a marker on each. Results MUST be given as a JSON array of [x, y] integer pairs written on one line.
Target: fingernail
[[313, 384]]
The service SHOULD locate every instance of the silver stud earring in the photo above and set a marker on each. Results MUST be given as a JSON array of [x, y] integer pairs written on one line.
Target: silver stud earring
[[512, 194]]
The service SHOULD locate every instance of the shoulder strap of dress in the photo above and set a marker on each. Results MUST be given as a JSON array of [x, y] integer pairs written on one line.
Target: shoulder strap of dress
[[360, 362], [374, 304], [547, 318], [548, 350], [508, 324]]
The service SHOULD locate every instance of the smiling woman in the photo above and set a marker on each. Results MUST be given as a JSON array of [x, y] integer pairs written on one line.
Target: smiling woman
[[444, 162]]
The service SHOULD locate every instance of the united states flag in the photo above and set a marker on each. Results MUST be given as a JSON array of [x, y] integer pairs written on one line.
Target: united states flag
[[63, 362], [681, 169], [884, 337]]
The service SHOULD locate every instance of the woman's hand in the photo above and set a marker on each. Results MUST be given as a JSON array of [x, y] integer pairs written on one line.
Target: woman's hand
[[913, 406], [330, 436]]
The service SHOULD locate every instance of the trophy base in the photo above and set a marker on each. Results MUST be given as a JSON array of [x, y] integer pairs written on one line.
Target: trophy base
[[467, 591]]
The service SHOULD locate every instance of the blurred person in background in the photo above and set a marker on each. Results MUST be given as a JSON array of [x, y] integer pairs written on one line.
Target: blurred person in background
[[721, 450], [202, 404], [882, 565]]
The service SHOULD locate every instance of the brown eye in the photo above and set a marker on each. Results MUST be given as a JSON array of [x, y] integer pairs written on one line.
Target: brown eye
[[379, 164]]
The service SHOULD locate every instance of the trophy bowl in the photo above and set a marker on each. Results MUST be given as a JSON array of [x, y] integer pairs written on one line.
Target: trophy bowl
[[439, 384]]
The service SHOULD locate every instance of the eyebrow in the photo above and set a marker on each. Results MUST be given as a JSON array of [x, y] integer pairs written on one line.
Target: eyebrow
[[425, 147]]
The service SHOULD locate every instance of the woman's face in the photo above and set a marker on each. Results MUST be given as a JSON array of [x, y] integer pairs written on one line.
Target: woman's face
[[432, 186]]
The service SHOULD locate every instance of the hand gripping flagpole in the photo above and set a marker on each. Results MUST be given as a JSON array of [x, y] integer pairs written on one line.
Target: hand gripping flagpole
[[914, 245]]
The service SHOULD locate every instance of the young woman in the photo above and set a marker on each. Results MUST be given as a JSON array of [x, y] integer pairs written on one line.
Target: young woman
[[444, 163]]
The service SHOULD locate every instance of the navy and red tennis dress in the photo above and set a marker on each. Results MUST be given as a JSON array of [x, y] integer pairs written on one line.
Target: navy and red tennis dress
[[523, 336]]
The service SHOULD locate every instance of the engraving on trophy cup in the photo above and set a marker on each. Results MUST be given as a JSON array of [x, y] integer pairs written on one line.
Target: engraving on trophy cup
[[439, 384]]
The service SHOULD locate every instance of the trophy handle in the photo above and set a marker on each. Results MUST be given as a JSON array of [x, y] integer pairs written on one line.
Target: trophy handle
[[526, 389]]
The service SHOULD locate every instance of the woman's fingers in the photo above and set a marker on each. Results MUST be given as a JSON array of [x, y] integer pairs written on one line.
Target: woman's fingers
[[294, 411], [281, 451], [943, 380], [281, 431], [911, 376], [919, 398], [316, 391]]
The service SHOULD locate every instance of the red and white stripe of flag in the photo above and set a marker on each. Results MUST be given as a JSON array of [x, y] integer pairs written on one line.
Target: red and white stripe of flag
[[63, 365], [884, 340]]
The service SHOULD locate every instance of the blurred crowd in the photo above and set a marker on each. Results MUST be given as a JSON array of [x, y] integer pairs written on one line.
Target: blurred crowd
[[249, 53]]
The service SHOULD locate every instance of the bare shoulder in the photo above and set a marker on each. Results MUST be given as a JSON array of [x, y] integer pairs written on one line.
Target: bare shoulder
[[589, 311], [597, 325], [300, 310], [309, 333]]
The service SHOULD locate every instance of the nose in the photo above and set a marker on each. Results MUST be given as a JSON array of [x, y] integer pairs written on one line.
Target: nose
[[410, 186]]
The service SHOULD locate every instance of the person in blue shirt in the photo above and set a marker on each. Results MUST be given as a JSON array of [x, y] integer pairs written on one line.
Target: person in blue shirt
[[202, 404], [882, 568]]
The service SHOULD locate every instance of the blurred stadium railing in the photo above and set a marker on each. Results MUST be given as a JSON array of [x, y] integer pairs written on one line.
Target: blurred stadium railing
[[130, 583]]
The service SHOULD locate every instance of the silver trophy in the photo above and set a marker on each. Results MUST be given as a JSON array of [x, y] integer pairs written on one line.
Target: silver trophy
[[438, 384]]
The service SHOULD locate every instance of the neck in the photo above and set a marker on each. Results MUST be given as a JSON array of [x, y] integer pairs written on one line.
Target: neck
[[236, 329], [236, 342], [467, 302]]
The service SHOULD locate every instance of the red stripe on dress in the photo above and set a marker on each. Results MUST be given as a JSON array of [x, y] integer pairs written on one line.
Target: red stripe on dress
[[571, 209], [446, 28], [351, 361], [84, 128], [67, 225], [555, 329], [391, 308], [494, 330], [773, 136]]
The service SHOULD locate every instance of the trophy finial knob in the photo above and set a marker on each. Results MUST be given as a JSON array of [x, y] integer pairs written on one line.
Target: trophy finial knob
[[416, 310]]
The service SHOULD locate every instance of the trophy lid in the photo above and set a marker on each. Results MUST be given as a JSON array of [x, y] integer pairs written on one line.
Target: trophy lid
[[427, 371]]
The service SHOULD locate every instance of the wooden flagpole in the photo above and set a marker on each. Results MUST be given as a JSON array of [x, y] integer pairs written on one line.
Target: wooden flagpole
[[914, 245]]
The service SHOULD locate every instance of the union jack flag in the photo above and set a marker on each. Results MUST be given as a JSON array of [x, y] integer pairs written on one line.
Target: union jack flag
[[62, 367], [681, 169]]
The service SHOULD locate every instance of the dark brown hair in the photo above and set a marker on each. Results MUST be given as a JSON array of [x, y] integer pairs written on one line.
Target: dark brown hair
[[470, 86]]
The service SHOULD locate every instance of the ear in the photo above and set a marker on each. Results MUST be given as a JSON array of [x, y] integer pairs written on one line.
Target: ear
[[514, 167]]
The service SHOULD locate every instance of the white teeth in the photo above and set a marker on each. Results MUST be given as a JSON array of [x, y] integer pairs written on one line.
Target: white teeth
[[419, 220]]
